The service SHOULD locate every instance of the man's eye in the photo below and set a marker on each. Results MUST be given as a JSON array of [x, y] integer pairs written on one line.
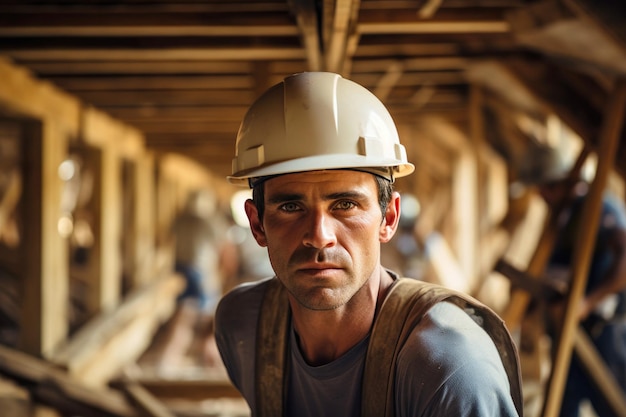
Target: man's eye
[[345, 205], [289, 207]]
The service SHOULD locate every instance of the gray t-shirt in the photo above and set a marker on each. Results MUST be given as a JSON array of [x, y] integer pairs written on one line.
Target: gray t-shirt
[[449, 367]]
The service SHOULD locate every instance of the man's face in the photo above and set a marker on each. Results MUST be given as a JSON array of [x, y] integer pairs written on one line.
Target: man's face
[[323, 231]]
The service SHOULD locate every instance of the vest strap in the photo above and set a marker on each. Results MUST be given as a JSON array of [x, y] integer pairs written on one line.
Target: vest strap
[[406, 303], [271, 351]]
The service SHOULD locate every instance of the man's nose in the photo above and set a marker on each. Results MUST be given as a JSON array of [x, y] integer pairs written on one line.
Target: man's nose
[[320, 230]]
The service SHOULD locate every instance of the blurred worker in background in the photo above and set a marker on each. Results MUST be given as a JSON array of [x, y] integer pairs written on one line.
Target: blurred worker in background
[[321, 154], [250, 261], [603, 309], [199, 244], [404, 253]]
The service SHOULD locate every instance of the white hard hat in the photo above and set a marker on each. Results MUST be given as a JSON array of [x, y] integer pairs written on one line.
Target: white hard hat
[[314, 121]]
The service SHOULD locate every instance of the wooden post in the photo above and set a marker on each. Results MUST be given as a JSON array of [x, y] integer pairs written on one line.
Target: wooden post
[[45, 289], [144, 213], [608, 142], [110, 209], [477, 142]]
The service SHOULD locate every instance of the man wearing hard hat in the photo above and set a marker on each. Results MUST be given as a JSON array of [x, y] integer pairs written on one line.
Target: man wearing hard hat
[[602, 311], [334, 333]]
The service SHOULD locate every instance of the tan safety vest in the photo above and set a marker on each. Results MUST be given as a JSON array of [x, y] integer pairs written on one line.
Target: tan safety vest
[[407, 301]]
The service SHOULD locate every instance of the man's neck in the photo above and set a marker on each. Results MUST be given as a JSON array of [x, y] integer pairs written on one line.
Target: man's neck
[[324, 336]]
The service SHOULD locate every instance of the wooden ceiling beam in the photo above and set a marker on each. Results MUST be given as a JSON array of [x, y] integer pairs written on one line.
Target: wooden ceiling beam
[[145, 21], [217, 143], [182, 113], [388, 81], [168, 98], [308, 24], [407, 114], [495, 77], [219, 166], [445, 21], [178, 128], [554, 29], [427, 63], [392, 10], [550, 90], [134, 66], [153, 82], [401, 49], [341, 28], [434, 27], [154, 6], [156, 55], [176, 31], [416, 79], [205, 149]]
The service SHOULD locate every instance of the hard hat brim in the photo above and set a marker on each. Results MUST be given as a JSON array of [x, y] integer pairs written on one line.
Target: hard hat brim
[[321, 162]]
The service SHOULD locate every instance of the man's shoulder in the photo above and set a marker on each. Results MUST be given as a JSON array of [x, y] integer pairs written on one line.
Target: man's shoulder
[[453, 329], [446, 342], [245, 294], [447, 326]]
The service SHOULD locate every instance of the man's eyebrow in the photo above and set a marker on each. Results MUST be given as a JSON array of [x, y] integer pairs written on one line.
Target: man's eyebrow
[[283, 197], [356, 195]]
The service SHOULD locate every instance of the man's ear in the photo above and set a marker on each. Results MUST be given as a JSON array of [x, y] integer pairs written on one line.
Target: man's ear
[[390, 219], [256, 225]]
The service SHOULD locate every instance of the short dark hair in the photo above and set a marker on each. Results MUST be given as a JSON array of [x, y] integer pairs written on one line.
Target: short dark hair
[[385, 190]]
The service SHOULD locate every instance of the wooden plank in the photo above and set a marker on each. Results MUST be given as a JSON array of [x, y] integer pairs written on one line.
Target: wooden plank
[[190, 389], [443, 265], [115, 338], [144, 400], [14, 400], [538, 288], [51, 386]]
